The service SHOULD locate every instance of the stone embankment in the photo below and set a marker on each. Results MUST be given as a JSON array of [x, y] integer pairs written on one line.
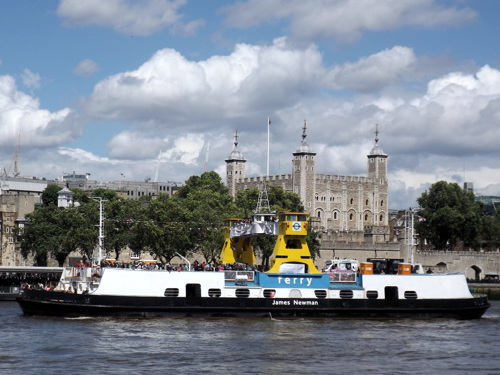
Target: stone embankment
[[491, 290]]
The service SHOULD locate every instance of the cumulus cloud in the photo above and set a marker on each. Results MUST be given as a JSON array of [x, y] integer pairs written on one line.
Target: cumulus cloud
[[186, 149], [169, 86], [20, 113], [373, 72], [86, 67], [457, 114], [129, 17], [345, 20], [134, 145]]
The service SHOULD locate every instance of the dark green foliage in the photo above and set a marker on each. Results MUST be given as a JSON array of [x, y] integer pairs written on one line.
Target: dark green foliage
[[49, 195], [451, 214], [279, 200]]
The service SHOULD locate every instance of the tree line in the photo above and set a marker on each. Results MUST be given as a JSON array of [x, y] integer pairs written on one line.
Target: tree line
[[450, 217], [191, 222], [188, 222]]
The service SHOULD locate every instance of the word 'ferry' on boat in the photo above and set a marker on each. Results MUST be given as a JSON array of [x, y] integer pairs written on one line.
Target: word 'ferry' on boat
[[292, 288]]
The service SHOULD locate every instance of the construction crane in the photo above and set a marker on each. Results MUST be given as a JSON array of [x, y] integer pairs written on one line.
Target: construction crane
[[14, 162]]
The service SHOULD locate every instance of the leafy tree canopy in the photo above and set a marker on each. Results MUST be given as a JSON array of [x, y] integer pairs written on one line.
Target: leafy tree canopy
[[49, 195], [450, 214]]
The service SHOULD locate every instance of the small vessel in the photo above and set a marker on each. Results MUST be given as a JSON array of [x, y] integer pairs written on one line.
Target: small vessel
[[292, 288], [12, 278]]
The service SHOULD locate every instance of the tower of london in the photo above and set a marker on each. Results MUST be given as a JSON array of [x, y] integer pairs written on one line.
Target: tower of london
[[337, 204]]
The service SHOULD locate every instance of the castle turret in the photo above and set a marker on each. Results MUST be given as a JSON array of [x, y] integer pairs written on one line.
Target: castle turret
[[377, 170], [377, 161], [235, 167], [304, 166]]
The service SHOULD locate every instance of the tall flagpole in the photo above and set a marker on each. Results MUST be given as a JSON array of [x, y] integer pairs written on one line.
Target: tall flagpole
[[268, 127]]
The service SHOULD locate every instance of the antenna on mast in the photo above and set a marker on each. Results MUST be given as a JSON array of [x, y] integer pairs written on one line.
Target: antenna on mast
[[263, 201]]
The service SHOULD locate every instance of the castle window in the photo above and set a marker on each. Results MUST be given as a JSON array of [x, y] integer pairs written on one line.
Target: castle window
[[366, 202], [366, 217], [335, 216], [381, 218], [352, 201], [351, 216]]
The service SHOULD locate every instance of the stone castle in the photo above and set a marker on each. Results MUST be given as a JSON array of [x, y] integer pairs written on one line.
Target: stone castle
[[352, 208]]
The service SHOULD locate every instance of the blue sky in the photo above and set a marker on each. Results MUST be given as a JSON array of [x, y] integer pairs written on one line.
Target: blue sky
[[105, 87]]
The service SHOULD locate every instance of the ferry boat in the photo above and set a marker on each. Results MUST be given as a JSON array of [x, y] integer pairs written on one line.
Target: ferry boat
[[292, 288]]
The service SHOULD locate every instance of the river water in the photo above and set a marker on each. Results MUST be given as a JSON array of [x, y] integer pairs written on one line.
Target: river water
[[36, 345]]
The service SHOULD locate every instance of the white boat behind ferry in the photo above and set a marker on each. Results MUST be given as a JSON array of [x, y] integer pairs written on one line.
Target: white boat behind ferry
[[292, 288]]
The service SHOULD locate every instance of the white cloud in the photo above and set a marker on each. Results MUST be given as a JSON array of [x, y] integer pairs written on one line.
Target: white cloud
[[373, 72], [20, 113], [169, 87], [30, 80], [133, 145], [129, 17], [186, 149], [86, 67], [345, 20]]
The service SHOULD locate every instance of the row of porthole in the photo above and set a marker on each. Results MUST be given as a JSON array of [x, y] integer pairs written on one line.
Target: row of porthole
[[270, 293]]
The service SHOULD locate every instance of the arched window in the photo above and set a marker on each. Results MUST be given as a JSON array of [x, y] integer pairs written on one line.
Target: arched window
[[366, 217], [381, 218], [351, 216], [319, 214], [366, 202], [335, 216], [381, 203], [352, 201]]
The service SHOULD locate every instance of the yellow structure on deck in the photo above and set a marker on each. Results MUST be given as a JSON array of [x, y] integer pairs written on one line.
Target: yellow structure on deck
[[291, 252], [236, 249]]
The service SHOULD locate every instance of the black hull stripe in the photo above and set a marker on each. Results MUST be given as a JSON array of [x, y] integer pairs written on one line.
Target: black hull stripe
[[70, 305]]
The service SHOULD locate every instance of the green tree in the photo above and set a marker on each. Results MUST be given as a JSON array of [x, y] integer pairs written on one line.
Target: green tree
[[207, 203], [450, 214], [490, 233], [49, 195], [279, 200], [41, 234], [165, 232], [121, 217]]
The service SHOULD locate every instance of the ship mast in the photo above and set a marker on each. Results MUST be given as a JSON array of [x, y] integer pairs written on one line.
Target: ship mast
[[101, 253], [263, 201]]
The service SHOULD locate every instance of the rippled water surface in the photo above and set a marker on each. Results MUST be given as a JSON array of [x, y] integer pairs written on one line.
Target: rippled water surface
[[35, 345]]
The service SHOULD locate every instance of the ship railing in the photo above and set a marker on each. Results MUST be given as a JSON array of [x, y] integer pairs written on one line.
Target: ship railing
[[81, 278]]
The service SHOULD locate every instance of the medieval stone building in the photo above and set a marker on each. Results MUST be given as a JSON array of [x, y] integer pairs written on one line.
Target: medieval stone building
[[338, 204]]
